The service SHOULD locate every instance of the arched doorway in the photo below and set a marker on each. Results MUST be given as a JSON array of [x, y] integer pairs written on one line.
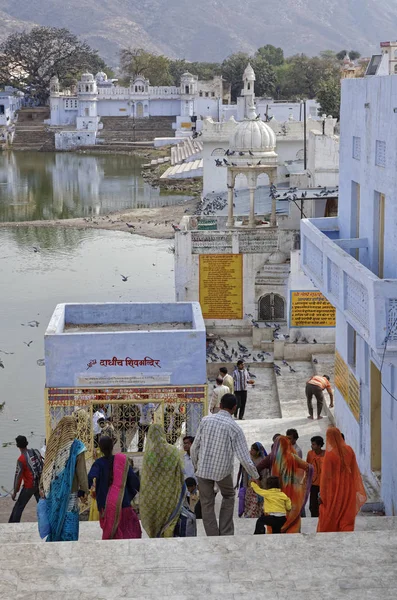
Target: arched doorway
[[139, 110], [271, 308]]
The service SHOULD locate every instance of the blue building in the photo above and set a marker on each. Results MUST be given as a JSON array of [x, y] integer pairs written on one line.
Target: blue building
[[136, 363], [352, 260]]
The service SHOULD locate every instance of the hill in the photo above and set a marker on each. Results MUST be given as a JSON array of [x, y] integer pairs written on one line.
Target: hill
[[209, 30]]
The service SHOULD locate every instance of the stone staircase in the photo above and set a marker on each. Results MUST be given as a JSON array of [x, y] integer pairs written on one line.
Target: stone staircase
[[188, 150], [31, 133], [125, 130], [334, 566]]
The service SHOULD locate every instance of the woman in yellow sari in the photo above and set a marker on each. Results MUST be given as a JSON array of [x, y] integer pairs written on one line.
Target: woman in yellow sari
[[162, 485]]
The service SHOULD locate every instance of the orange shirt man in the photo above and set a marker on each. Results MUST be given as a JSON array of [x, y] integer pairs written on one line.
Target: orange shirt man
[[315, 457], [315, 387]]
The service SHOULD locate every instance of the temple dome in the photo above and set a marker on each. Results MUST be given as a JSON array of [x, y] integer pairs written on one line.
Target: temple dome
[[255, 136], [277, 258], [249, 73]]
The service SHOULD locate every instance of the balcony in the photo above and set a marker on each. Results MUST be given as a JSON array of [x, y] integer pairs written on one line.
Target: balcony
[[368, 303]]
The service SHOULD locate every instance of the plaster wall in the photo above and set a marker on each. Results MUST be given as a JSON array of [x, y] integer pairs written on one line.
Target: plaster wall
[[182, 353], [298, 281], [367, 114], [282, 111], [323, 159], [70, 140]]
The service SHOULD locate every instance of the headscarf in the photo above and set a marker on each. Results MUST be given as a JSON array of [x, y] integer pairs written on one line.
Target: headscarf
[[259, 447], [295, 480], [162, 485], [341, 486], [58, 447]]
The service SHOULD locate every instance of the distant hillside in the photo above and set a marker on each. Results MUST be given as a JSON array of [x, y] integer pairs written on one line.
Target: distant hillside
[[209, 30]]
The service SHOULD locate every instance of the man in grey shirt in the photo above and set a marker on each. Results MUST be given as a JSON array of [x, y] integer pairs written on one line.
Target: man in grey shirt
[[219, 438]]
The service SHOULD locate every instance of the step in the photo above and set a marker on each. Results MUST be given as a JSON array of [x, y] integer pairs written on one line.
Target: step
[[349, 566], [27, 533]]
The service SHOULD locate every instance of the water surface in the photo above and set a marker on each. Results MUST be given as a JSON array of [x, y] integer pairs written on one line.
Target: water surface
[[63, 185], [72, 266]]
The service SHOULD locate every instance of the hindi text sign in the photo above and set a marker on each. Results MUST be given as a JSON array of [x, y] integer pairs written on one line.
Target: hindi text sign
[[221, 286], [311, 309]]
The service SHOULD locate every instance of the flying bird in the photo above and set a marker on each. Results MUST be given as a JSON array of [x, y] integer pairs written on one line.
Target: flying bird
[[33, 323], [124, 278], [1, 364], [28, 343], [36, 249]]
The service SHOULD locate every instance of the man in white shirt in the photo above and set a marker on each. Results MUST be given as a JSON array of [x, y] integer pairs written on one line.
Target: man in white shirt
[[218, 439], [227, 379], [146, 419], [188, 465], [217, 393]]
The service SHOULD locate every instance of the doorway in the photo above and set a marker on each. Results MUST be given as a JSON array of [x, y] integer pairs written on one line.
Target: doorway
[[271, 308], [376, 419], [139, 110]]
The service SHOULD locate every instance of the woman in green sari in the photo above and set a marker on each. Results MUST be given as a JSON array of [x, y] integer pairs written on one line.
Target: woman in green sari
[[162, 485]]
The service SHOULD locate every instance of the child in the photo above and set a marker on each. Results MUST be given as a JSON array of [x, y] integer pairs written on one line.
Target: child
[[276, 506], [193, 494]]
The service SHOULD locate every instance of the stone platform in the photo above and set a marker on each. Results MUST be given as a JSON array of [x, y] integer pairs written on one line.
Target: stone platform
[[351, 566]]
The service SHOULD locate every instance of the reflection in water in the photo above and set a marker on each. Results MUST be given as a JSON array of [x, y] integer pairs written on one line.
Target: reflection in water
[[72, 266], [50, 185]]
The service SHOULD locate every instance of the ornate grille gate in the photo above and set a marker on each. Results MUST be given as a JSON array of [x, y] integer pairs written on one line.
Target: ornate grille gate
[[129, 412]]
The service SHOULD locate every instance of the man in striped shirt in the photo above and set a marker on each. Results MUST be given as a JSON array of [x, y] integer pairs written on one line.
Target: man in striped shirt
[[218, 440], [240, 379], [315, 387]]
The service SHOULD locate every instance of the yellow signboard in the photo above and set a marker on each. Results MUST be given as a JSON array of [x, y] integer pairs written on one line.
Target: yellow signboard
[[348, 385], [221, 286], [186, 125], [311, 309]]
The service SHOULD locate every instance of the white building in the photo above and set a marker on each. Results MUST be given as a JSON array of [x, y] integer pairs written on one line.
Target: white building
[[321, 166], [352, 260], [10, 102]]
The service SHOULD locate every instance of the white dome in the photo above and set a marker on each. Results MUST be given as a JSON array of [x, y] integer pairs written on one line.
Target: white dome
[[249, 73], [87, 77], [255, 136], [101, 76]]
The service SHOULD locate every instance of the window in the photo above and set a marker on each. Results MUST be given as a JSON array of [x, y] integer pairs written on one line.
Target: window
[[206, 94], [87, 89], [186, 89], [395, 68], [2, 109], [379, 235], [271, 308], [249, 86], [213, 94], [356, 147], [380, 154], [66, 103], [351, 346]]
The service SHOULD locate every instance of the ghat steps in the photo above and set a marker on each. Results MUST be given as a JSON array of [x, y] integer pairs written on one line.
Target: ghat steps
[[349, 566], [126, 129]]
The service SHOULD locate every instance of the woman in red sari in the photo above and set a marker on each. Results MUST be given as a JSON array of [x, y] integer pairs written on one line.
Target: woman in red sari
[[341, 486], [295, 479], [115, 487]]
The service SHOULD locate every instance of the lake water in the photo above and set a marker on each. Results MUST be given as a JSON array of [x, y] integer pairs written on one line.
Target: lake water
[[50, 185], [72, 266]]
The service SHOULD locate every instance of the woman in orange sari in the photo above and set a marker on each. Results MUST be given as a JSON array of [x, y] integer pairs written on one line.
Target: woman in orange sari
[[295, 479], [341, 486]]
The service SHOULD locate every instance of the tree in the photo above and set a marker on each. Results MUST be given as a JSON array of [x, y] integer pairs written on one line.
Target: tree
[[265, 76], [273, 55], [155, 67], [353, 55], [328, 96], [28, 60], [233, 68]]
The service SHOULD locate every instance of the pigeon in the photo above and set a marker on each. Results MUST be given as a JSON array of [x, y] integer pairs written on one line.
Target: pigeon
[[124, 278], [251, 375], [250, 153], [33, 323], [315, 361], [254, 359], [241, 153], [291, 370], [285, 363], [225, 162], [28, 343], [254, 323], [175, 227], [314, 341], [1, 364], [130, 225], [36, 249], [258, 163]]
